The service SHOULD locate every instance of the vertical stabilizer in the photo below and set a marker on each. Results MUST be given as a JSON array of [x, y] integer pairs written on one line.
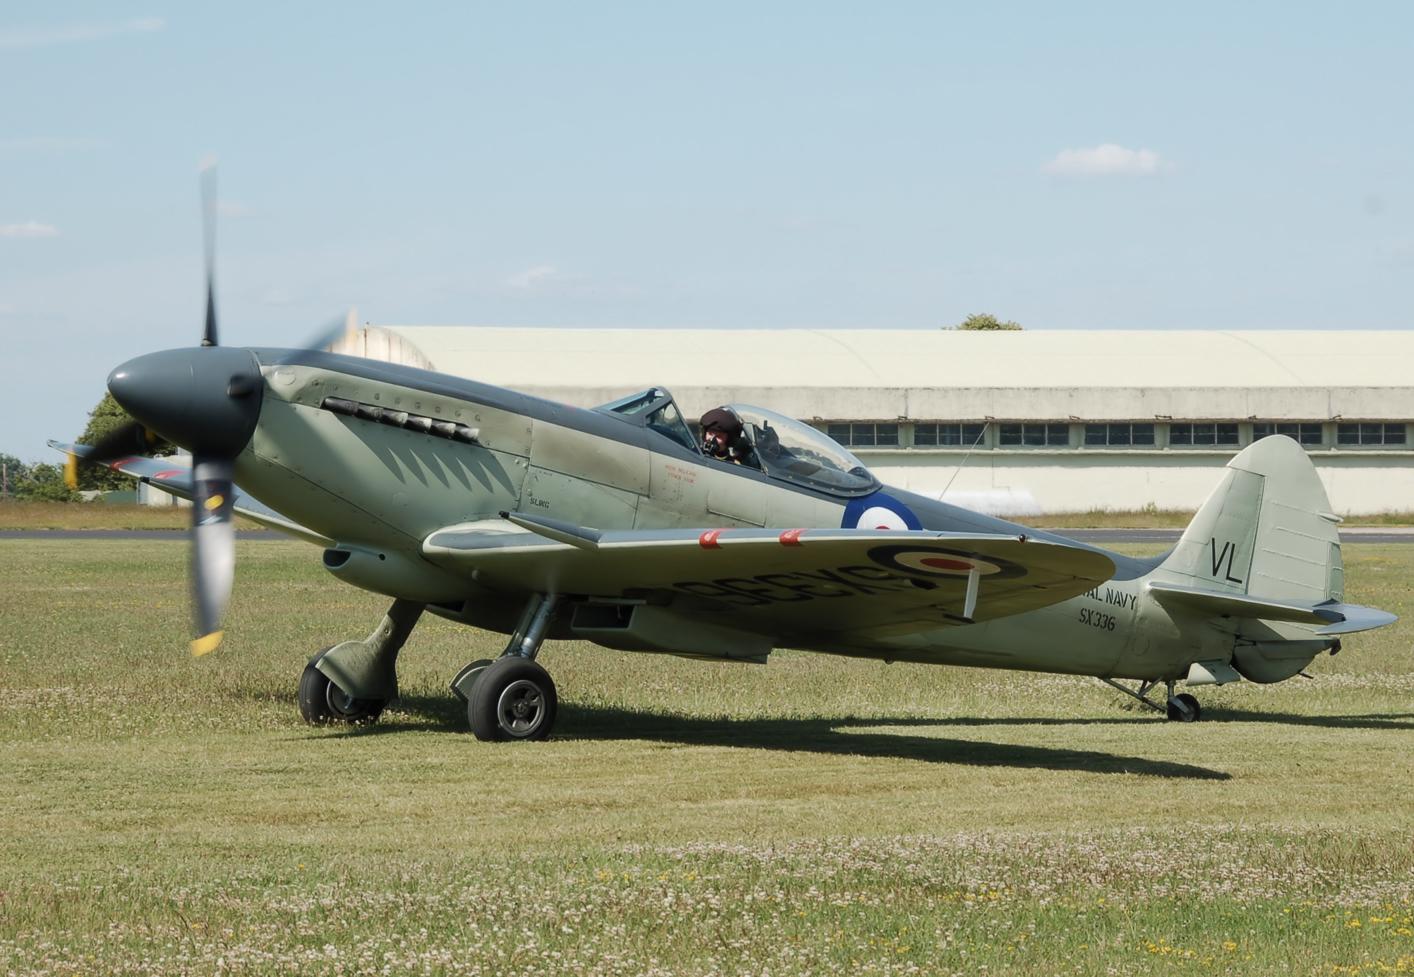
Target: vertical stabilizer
[[1267, 530]]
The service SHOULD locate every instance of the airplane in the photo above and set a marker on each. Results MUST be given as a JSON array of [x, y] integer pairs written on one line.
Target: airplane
[[617, 525]]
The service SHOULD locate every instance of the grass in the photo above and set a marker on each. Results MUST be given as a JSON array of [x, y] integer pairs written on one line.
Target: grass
[[165, 815], [24, 514]]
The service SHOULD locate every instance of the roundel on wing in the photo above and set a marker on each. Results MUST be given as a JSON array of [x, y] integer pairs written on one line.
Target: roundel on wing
[[923, 560], [879, 511]]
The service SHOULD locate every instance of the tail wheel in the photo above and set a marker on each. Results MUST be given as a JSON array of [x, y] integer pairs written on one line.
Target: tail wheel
[[321, 701], [513, 699], [1184, 708]]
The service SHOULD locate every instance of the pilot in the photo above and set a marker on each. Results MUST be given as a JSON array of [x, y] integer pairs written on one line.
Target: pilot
[[722, 436]]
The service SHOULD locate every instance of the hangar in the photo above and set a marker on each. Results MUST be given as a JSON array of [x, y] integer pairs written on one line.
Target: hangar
[[1012, 423]]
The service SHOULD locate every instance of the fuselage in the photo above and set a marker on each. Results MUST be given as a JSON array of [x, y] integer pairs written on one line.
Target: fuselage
[[379, 484]]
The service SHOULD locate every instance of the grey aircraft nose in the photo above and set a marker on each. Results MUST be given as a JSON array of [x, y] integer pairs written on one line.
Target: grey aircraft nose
[[205, 398]]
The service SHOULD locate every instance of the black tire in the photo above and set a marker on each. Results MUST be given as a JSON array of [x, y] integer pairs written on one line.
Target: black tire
[[1188, 712], [513, 699], [321, 702]]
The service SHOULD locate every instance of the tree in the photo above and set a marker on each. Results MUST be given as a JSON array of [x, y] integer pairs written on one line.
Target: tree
[[103, 420], [13, 474], [46, 484], [985, 322]]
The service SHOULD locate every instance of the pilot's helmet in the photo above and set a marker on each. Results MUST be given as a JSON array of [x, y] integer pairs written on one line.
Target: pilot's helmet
[[721, 419]]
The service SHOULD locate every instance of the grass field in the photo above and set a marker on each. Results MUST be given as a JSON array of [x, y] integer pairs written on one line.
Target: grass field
[[160, 814]]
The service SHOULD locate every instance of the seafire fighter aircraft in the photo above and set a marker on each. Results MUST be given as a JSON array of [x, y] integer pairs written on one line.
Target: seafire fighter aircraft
[[614, 525]]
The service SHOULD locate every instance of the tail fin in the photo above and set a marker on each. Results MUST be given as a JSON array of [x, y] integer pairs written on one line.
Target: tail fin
[[1266, 531]]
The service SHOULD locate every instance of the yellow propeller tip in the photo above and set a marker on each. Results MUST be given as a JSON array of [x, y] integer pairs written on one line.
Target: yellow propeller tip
[[71, 471], [206, 643]]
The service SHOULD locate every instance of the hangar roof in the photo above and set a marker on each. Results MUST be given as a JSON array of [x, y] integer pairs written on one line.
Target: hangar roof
[[918, 358], [935, 374]]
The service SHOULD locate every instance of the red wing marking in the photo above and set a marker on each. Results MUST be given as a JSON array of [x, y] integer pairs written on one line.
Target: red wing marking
[[170, 472], [942, 563], [118, 465], [709, 539], [791, 537]]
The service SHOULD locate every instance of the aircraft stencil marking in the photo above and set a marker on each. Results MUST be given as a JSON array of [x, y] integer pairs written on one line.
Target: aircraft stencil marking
[[1229, 551], [1117, 597]]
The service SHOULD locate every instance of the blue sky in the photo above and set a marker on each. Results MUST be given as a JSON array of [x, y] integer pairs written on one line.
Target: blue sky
[[1078, 165]]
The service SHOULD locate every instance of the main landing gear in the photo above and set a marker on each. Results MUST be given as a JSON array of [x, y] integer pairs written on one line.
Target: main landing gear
[[352, 682], [1182, 708], [513, 697], [510, 698]]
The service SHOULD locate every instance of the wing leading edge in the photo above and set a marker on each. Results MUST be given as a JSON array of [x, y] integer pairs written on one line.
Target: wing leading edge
[[173, 476], [791, 584]]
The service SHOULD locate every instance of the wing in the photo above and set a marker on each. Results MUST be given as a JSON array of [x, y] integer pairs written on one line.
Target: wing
[[173, 475], [795, 585]]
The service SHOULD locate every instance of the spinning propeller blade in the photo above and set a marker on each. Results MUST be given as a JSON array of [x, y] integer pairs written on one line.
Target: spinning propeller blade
[[213, 548]]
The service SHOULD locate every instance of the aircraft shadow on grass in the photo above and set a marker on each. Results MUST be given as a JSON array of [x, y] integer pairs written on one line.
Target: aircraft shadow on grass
[[839, 736]]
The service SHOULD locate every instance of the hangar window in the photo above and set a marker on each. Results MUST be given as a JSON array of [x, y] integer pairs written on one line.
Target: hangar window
[[1034, 435], [1200, 434], [1369, 432], [1302, 433], [944, 435], [865, 435], [1141, 435]]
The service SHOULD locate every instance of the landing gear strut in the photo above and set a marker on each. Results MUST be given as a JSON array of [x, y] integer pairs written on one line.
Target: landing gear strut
[[513, 697], [353, 681], [1181, 708]]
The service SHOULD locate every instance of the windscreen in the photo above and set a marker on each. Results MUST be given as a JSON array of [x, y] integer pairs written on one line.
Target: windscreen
[[658, 412], [795, 452]]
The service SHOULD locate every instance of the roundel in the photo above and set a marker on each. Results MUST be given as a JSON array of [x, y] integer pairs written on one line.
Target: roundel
[[921, 560], [879, 511]]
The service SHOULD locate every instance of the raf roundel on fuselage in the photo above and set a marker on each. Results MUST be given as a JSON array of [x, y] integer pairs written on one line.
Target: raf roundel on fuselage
[[879, 511]]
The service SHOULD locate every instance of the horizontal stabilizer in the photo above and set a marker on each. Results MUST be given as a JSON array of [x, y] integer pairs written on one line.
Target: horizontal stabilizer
[[173, 476], [1331, 617]]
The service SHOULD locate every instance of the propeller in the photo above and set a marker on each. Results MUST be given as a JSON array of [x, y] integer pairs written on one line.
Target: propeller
[[206, 399]]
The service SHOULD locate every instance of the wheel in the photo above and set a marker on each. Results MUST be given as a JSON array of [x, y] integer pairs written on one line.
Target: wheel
[[321, 701], [513, 699], [1184, 708]]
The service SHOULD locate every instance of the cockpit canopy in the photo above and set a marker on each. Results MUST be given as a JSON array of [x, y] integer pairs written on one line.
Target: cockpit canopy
[[795, 452], [780, 446]]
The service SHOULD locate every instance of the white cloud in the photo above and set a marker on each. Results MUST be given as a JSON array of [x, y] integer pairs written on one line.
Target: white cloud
[[29, 229], [523, 279], [1107, 159], [40, 36], [229, 208]]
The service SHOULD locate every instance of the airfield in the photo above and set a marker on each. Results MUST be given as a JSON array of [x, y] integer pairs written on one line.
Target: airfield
[[814, 815]]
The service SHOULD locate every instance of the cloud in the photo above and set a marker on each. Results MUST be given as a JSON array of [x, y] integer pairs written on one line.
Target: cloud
[[523, 279], [29, 229], [229, 208], [41, 36], [1107, 159]]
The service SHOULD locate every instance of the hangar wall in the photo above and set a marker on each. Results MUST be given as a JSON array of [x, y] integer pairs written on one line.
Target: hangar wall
[[1198, 397]]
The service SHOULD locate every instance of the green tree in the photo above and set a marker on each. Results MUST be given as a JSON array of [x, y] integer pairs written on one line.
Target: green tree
[[103, 420], [45, 483], [985, 322], [13, 474]]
